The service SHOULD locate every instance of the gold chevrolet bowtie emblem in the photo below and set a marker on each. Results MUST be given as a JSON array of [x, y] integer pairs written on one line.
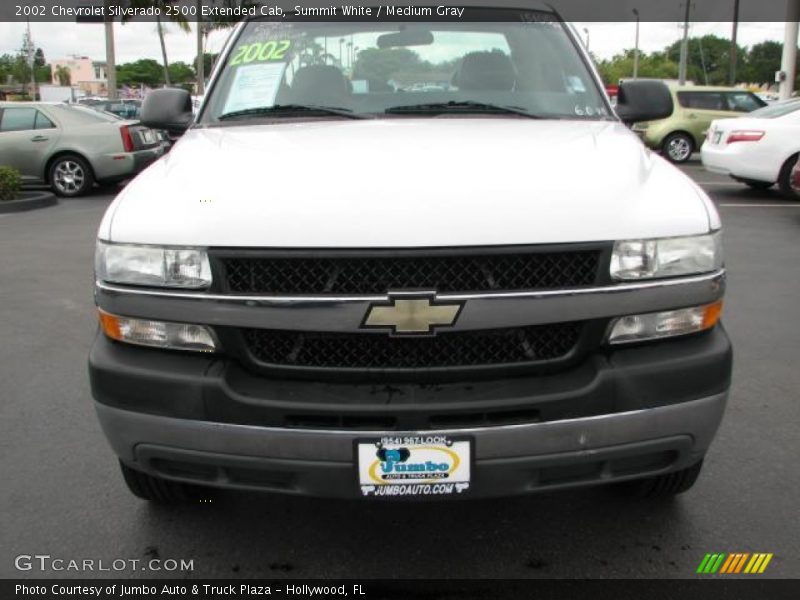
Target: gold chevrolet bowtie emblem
[[412, 315]]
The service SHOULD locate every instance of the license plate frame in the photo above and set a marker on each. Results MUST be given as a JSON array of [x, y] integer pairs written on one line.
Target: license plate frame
[[422, 465]]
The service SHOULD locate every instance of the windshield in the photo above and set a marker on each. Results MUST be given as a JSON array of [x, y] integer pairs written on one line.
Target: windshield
[[776, 110], [382, 69]]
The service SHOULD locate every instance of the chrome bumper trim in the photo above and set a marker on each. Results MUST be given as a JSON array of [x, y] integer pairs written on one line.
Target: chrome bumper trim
[[346, 313]]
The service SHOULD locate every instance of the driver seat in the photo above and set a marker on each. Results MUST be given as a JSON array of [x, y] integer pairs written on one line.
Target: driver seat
[[485, 71], [324, 85]]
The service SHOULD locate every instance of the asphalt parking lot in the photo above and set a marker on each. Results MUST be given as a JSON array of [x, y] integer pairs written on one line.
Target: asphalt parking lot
[[63, 494]]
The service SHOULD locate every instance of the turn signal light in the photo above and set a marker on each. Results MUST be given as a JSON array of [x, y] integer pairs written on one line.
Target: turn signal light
[[157, 334], [670, 323]]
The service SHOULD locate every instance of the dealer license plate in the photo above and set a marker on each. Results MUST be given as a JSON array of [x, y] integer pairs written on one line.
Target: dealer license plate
[[414, 465]]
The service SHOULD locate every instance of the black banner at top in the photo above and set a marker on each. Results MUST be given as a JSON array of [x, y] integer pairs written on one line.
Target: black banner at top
[[96, 11]]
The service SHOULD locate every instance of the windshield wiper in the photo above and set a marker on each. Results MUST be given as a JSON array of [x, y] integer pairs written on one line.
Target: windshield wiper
[[462, 107], [289, 109]]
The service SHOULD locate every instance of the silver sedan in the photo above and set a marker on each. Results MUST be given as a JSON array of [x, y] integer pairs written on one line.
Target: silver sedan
[[71, 147]]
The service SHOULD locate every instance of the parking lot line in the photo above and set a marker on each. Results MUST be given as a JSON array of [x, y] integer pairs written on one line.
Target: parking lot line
[[757, 205]]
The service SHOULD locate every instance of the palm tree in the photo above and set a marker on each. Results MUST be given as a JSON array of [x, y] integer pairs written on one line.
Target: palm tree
[[178, 19], [199, 68], [160, 28], [63, 75]]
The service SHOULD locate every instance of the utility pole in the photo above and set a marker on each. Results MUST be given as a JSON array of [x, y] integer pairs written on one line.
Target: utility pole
[[29, 52], [636, 47], [684, 46], [586, 31], [703, 60], [111, 67], [734, 49], [788, 70]]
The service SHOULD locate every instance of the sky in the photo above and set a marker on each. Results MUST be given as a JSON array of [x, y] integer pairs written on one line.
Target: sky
[[140, 40]]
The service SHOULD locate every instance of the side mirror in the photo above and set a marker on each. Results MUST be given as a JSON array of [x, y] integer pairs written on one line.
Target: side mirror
[[643, 100], [169, 109]]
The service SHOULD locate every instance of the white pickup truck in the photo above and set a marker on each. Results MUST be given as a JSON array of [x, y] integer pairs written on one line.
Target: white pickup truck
[[409, 259]]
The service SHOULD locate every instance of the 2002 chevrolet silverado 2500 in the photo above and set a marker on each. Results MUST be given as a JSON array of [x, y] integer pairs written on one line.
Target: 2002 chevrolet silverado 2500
[[409, 259]]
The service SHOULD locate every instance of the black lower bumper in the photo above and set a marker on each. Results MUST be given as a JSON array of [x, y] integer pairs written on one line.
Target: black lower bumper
[[630, 413], [214, 389]]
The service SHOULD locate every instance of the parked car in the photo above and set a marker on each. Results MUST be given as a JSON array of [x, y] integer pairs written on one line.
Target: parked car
[[322, 292], [760, 149], [682, 133], [162, 136], [768, 97], [124, 108], [70, 147], [794, 180], [197, 102]]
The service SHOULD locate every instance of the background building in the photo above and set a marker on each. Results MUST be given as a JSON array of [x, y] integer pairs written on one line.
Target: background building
[[88, 75]]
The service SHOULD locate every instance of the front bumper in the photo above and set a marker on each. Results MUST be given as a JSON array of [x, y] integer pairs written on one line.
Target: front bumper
[[633, 412]]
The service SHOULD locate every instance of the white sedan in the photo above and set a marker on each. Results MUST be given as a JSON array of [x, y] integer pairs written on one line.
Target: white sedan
[[760, 149]]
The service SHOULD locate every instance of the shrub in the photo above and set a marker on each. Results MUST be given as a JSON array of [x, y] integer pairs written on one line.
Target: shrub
[[10, 183]]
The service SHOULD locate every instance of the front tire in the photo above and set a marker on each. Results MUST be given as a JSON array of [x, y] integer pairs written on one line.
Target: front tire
[[678, 147], [157, 490], [70, 176], [784, 183], [662, 486]]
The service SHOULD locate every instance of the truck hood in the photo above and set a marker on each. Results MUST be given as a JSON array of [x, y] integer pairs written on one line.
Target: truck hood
[[407, 183]]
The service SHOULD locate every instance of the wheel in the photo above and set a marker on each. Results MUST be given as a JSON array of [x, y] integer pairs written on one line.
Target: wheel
[[757, 185], [662, 486], [70, 175], [678, 147], [784, 179], [158, 490]]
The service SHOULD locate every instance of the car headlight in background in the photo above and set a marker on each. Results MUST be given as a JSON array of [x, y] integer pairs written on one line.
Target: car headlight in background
[[152, 265], [158, 334], [666, 257], [669, 323]]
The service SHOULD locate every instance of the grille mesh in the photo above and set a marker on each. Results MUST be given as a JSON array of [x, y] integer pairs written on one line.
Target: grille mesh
[[377, 275], [379, 351]]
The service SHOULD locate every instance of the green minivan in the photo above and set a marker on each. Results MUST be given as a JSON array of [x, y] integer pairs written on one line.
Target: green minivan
[[682, 133]]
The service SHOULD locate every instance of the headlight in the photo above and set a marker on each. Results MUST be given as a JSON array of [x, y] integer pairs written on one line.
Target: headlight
[[152, 265], [669, 323], [666, 257], [158, 334]]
